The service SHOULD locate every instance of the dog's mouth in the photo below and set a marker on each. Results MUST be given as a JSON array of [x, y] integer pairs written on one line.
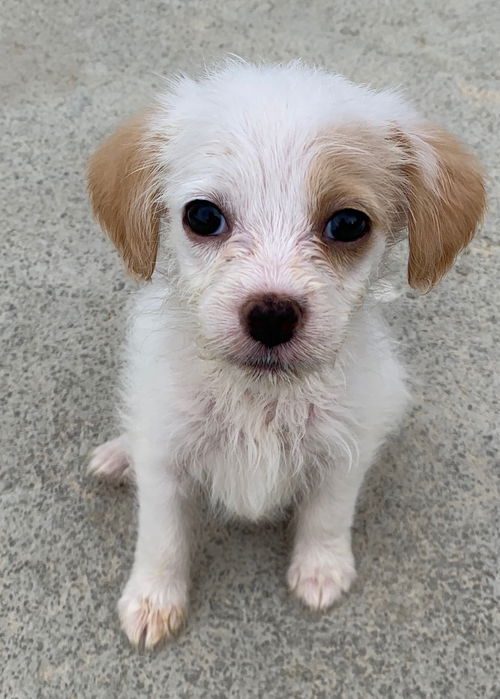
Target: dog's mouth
[[268, 362], [270, 366], [286, 359]]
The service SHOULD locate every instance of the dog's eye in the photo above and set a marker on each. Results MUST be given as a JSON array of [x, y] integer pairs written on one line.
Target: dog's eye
[[347, 225], [204, 218]]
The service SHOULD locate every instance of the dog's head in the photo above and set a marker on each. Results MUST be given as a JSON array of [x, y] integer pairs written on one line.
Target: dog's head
[[282, 188]]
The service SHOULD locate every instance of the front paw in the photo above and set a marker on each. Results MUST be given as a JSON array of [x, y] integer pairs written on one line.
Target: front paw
[[152, 612], [110, 461], [318, 578]]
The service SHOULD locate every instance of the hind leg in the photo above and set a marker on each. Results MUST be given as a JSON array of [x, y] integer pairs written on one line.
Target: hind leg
[[111, 461]]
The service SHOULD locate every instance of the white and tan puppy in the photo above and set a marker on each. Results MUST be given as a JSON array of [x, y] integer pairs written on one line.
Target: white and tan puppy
[[261, 202]]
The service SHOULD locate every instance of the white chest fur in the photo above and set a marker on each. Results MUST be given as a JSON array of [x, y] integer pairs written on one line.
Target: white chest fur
[[255, 445]]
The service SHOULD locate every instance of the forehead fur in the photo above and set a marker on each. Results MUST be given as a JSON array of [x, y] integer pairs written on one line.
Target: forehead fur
[[243, 96], [244, 116]]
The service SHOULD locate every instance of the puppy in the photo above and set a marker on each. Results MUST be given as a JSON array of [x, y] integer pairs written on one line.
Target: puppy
[[261, 203]]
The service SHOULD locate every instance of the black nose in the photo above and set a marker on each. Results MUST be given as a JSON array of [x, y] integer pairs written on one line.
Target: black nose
[[272, 320]]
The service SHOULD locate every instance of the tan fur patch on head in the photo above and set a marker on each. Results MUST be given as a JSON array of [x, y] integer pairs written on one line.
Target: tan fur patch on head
[[123, 192], [445, 206], [360, 168], [425, 180]]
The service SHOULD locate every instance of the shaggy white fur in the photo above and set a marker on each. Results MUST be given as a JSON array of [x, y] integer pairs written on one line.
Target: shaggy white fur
[[205, 404]]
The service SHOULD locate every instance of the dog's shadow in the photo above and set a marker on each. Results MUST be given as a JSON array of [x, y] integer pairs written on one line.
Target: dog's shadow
[[237, 561]]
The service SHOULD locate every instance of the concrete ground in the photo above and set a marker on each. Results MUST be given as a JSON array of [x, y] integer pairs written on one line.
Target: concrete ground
[[422, 618]]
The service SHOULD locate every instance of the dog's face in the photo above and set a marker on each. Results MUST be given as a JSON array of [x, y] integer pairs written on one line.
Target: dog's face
[[282, 189]]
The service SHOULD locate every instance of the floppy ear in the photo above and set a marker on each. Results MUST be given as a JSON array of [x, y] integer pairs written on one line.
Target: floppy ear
[[123, 192], [446, 201]]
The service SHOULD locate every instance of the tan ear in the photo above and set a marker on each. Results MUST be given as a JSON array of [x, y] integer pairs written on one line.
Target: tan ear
[[123, 192], [446, 201]]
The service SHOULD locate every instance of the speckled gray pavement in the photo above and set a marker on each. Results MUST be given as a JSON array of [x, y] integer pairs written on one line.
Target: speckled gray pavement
[[422, 619]]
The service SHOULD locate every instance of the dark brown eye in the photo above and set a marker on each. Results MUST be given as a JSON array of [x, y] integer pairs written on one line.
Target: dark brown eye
[[347, 225], [204, 218]]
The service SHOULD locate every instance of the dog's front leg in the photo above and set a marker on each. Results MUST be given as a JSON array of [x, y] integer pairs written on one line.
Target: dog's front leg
[[153, 605], [322, 566]]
